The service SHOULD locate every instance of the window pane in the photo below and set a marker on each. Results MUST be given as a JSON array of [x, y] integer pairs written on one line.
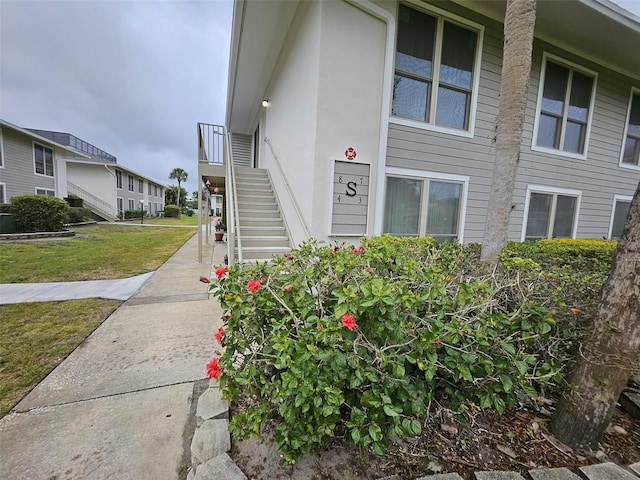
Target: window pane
[[565, 212], [409, 98], [634, 117], [549, 131], [443, 209], [574, 137], [48, 161], [402, 206], [458, 49], [416, 32], [620, 214], [452, 108], [538, 219], [631, 151], [555, 85], [39, 158], [580, 97]]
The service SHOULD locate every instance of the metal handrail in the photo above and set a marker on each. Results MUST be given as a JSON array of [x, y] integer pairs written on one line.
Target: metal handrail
[[91, 200], [232, 200], [289, 192]]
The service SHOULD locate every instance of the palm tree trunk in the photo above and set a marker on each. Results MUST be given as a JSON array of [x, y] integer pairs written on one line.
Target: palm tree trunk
[[519, 24], [610, 354]]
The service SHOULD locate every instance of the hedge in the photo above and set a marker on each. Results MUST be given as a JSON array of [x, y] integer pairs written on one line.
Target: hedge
[[172, 211], [39, 213]]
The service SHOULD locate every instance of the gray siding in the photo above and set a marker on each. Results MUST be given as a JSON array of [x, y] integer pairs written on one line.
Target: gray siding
[[598, 177], [19, 173]]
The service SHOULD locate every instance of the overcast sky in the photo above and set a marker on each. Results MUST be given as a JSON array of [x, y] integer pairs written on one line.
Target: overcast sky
[[130, 77]]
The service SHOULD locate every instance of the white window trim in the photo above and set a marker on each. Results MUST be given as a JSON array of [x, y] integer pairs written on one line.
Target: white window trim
[[45, 190], [477, 63], [131, 183], [634, 91], [53, 161], [550, 190], [421, 174], [121, 180], [543, 71], [3, 197], [119, 198], [129, 200], [2, 150], [616, 199]]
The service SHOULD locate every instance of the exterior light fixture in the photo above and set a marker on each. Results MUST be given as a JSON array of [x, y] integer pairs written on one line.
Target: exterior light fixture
[[266, 103]]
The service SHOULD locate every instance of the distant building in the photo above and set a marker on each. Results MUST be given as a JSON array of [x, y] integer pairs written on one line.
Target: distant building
[[44, 162]]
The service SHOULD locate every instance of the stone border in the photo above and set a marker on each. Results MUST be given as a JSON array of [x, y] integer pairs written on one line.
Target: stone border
[[36, 235]]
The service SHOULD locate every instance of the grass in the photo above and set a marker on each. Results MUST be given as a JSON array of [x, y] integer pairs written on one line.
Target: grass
[[36, 337], [184, 220], [107, 252]]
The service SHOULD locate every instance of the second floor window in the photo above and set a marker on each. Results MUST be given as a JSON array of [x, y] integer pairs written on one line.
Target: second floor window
[[131, 183], [118, 179], [435, 70], [631, 149], [140, 186], [43, 158], [565, 107]]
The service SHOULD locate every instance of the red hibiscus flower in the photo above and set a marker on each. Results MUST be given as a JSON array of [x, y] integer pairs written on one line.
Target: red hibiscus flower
[[436, 341], [220, 271], [253, 285], [287, 288], [349, 322], [219, 334], [225, 318], [204, 279], [213, 369]]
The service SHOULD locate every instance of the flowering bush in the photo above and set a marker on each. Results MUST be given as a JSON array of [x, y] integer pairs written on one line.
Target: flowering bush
[[332, 338]]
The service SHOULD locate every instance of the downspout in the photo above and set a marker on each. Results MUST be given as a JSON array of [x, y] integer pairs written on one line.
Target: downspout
[[388, 18]]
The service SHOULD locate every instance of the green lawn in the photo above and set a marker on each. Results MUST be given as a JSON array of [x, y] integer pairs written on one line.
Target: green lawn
[[107, 252], [184, 220], [36, 337]]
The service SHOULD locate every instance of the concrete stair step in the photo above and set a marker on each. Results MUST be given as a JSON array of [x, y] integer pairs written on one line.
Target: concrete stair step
[[258, 213], [266, 242], [260, 231], [260, 253], [259, 206]]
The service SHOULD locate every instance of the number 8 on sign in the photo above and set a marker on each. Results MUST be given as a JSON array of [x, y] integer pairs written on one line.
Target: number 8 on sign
[[350, 153]]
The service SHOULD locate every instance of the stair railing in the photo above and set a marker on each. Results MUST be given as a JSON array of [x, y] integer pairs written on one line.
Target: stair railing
[[289, 191], [92, 202], [234, 239]]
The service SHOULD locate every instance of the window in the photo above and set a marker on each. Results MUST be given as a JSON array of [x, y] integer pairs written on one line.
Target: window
[[130, 183], [45, 191], [148, 188], [631, 148], [43, 158], [155, 208], [425, 206], [140, 186], [619, 214], [118, 179], [155, 189], [550, 213], [565, 105], [435, 70], [120, 205], [3, 193], [132, 204]]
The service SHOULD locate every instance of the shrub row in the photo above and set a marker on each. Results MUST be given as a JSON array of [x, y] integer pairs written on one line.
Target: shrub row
[[369, 339], [39, 213], [133, 214], [78, 215], [172, 211]]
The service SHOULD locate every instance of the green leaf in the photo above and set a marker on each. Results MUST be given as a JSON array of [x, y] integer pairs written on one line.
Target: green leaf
[[378, 447], [521, 366], [390, 411], [375, 432], [498, 404], [507, 347], [507, 384], [355, 436]]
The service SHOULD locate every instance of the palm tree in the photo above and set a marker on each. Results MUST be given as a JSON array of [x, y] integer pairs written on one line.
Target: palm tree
[[181, 176], [519, 23]]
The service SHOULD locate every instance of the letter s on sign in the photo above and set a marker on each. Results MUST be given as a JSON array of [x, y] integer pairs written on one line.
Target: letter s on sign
[[351, 189]]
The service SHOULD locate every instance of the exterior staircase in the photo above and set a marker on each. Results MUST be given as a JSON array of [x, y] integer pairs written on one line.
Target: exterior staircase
[[95, 204], [262, 230]]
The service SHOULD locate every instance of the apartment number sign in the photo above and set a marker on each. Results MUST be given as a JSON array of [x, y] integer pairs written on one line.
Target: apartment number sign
[[350, 203]]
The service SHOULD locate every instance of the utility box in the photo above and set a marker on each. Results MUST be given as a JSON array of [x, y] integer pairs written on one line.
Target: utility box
[[7, 223]]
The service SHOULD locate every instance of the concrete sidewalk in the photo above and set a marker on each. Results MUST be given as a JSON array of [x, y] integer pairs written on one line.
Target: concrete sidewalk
[[121, 289], [121, 405]]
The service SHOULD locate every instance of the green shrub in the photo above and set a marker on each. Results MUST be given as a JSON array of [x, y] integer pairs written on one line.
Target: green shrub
[[369, 338], [78, 215], [39, 213], [5, 208], [133, 214], [74, 201], [172, 211]]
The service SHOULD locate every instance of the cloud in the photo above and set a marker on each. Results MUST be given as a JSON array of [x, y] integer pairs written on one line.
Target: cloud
[[131, 77]]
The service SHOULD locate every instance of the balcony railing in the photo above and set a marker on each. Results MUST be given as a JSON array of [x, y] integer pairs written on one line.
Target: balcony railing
[[211, 144]]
